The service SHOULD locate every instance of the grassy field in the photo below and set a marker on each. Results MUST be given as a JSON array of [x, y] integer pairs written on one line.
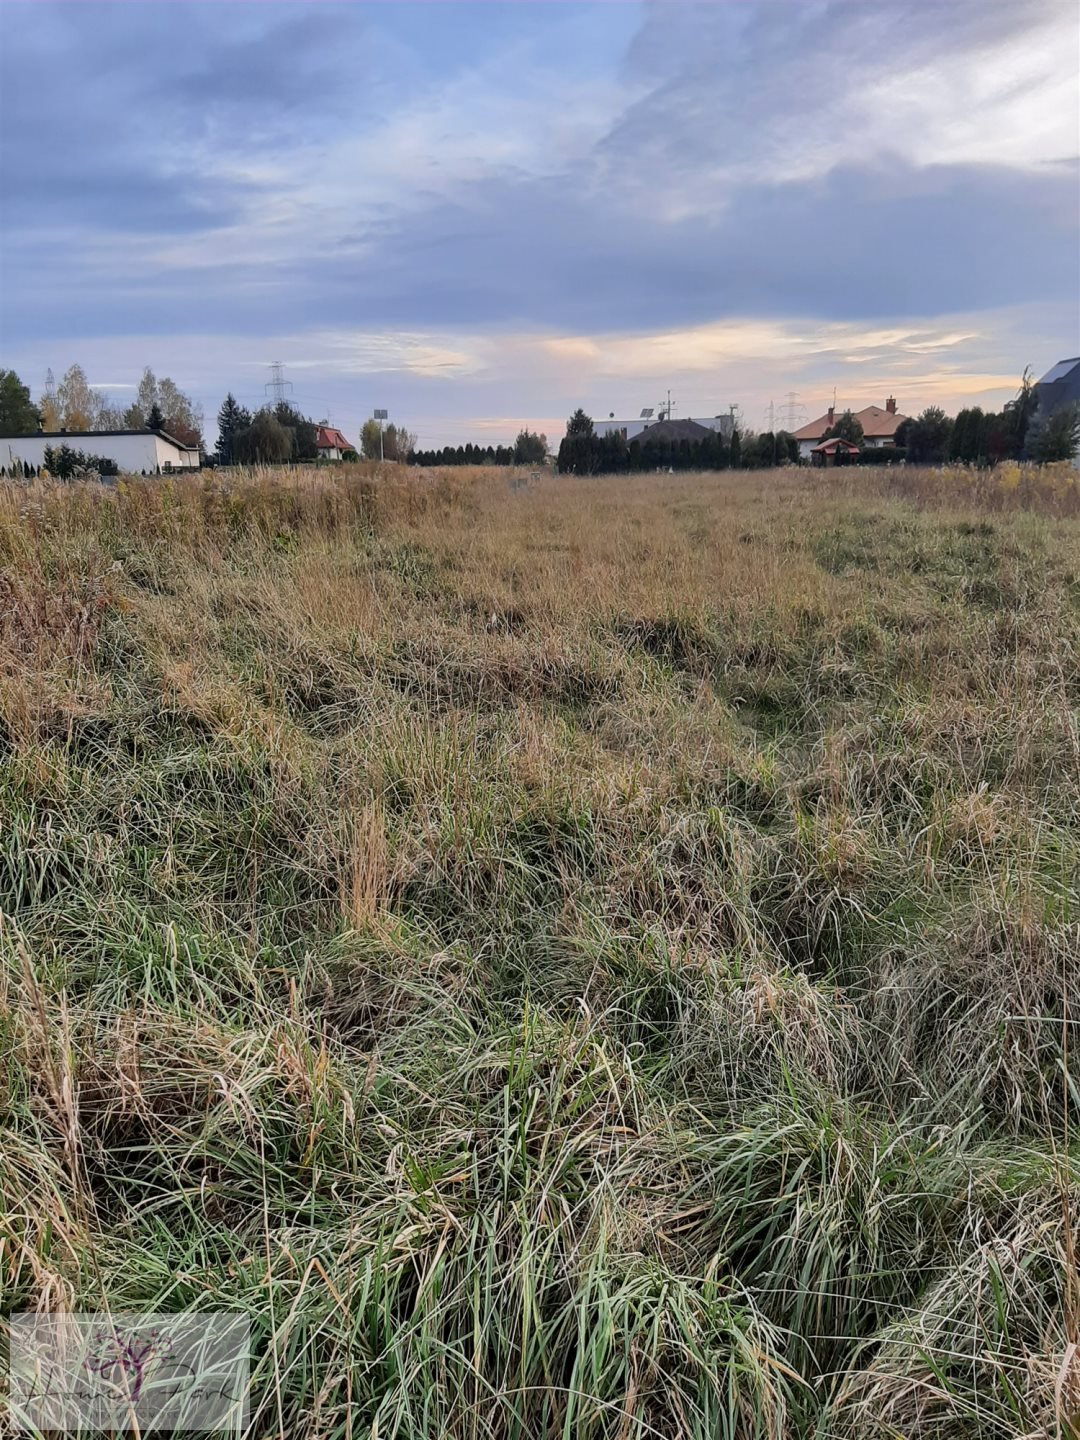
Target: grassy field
[[568, 959]]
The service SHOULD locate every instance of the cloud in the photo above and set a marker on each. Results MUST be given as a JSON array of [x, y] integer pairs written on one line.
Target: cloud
[[477, 210]]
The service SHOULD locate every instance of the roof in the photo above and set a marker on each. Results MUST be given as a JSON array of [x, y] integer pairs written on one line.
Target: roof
[[83, 435], [877, 424], [1060, 370], [672, 431], [828, 447], [1059, 387], [329, 438]]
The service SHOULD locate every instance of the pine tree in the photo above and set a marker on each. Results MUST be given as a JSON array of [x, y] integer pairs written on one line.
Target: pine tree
[[155, 420], [17, 415], [232, 418]]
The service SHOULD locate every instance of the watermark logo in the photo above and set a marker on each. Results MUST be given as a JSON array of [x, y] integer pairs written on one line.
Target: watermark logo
[[131, 1371]]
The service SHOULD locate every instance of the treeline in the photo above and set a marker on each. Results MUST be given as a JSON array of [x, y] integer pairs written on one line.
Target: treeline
[[75, 405], [583, 452], [528, 449], [275, 435], [1019, 432], [983, 437]]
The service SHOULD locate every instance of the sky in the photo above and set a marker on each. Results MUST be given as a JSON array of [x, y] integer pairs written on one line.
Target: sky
[[480, 216]]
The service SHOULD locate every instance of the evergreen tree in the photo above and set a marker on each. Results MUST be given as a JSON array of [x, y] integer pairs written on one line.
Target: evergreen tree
[[17, 415], [232, 418], [927, 439], [735, 449], [967, 436], [155, 420], [847, 427], [1056, 436], [579, 453], [531, 449]]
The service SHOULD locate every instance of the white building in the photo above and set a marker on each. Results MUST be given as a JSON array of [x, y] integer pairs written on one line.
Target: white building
[[134, 452]]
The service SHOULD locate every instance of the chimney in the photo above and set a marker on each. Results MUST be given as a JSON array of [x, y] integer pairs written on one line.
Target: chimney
[[890, 404], [831, 409]]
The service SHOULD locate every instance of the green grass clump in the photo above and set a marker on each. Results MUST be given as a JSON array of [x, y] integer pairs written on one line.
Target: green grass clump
[[594, 959]]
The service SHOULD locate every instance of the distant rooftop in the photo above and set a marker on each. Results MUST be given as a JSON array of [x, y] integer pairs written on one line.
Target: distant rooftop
[[674, 431], [877, 423], [329, 437], [84, 437], [1059, 371]]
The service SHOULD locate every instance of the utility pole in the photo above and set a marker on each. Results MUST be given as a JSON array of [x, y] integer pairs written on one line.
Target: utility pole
[[380, 416]]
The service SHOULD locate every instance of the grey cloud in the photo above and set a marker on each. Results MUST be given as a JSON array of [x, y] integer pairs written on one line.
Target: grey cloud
[[858, 245], [590, 250]]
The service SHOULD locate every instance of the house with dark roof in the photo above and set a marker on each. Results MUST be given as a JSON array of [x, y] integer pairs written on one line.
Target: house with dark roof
[[879, 427], [672, 432], [331, 443], [1060, 386]]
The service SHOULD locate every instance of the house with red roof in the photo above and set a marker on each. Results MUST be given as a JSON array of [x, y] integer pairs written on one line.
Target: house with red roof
[[331, 443], [833, 452], [879, 427]]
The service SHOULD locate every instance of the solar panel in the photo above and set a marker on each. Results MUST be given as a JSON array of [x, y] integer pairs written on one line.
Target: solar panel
[[1060, 370]]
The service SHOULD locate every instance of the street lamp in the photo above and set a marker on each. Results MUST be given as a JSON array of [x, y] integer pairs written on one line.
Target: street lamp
[[381, 415]]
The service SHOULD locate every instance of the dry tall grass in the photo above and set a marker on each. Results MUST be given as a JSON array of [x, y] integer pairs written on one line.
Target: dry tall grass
[[593, 958]]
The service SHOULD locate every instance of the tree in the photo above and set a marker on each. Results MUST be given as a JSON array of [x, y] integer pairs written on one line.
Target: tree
[[847, 427], [371, 440], [1020, 413], [146, 397], [735, 449], [50, 410], [264, 442], [64, 463], [232, 418], [967, 440], [530, 449], [1055, 436], [580, 452], [183, 417], [397, 442], [303, 430], [767, 450], [109, 417], [17, 415], [77, 404], [927, 438], [179, 414]]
